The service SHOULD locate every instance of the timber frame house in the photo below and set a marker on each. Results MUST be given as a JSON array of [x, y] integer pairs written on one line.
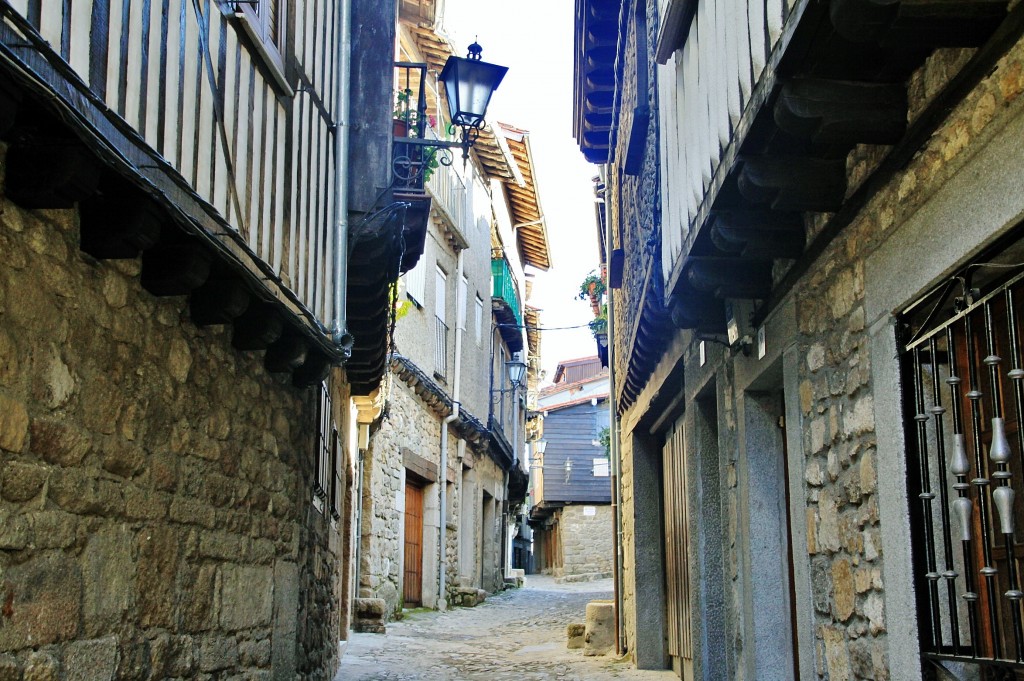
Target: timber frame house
[[201, 137], [228, 163], [813, 230]]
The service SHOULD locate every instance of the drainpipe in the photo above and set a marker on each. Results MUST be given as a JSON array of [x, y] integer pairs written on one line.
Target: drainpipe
[[339, 327], [613, 437], [460, 326]]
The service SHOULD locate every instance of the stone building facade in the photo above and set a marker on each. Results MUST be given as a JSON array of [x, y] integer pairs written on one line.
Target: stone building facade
[[784, 415], [441, 477], [156, 484], [576, 545]]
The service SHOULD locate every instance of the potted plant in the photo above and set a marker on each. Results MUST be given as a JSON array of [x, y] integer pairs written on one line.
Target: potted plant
[[404, 115], [593, 287], [599, 325]]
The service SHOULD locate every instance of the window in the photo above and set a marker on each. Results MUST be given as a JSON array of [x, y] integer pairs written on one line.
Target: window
[[416, 282], [441, 328], [601, 467], [441, 294], [265, 22], [479, 320], [462, 302], [961, 367], [325, 483]]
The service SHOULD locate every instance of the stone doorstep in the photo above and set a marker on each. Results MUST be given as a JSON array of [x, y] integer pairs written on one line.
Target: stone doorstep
[[469, 597], [369, 615], [585, 577]]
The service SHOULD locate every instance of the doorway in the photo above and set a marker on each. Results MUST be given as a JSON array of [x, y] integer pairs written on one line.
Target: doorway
[[412, 583], [677, 550]]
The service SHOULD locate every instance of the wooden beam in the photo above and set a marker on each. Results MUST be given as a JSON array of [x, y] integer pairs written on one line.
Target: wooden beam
[[730, 277], [175, 269], [257, 327], [50, 174], [286, 354], [120, 224], [842, 113], [793, 183], [218, 301], [758, 235]]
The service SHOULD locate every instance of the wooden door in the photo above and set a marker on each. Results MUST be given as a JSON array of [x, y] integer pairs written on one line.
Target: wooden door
[[677, 545], [413, 581]]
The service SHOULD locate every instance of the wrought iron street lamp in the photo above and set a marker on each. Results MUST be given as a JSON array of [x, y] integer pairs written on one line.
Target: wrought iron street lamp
[[469, 83], [516, 369]]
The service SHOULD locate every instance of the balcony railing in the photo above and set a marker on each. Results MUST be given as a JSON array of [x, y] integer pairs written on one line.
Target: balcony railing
[[448, 190], [441, 350], [409, 123], [507, 308], [504, 288]]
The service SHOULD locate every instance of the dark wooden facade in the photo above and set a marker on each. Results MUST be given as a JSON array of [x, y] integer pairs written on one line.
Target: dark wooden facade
[[568, 470]]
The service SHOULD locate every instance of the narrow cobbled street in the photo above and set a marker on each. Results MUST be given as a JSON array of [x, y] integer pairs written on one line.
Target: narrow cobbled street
[[516, 635]]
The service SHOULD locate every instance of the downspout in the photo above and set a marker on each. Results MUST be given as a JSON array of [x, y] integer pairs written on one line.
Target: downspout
[[613, 438], [442, 484], [339, 327]]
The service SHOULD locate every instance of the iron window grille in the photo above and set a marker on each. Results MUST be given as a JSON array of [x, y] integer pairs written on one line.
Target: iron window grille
[[963, 396], [325, 482]]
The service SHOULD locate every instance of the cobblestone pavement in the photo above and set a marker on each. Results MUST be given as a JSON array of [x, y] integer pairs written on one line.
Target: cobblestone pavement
[[516, 635]]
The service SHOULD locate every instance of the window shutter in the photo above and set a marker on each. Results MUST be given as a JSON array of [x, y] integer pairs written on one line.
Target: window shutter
[[416, 282]]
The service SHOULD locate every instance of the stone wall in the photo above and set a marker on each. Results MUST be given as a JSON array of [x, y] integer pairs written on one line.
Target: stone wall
[[838, 382], [412, 424], [587, 546], [637, 198], [407, 423], [480, 542], [155, 515], [836, 388], [634, 203]]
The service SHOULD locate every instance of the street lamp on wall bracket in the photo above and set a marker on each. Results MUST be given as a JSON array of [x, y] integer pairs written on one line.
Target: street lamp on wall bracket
[[516, 370], [469, 83]]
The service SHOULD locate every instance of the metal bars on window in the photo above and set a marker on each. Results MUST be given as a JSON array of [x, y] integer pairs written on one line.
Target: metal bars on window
[[964, 407], [325, 480]]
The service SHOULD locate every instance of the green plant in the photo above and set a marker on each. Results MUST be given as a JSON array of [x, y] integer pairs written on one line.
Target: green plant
[[430, 163], [599, 324], [403, 110], [592, 287], [605, 437]]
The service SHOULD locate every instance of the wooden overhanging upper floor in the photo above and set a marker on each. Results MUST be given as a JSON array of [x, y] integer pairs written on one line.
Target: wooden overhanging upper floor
[[760, 105], [788, 92], [201, 138]]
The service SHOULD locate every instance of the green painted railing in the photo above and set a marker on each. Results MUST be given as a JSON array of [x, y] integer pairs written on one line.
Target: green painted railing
[[504, 286]]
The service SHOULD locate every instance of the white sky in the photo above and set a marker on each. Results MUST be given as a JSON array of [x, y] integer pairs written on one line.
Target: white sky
[[534, 38]]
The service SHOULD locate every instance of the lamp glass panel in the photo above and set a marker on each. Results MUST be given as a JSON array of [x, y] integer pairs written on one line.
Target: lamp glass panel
[[469, 85], [516, 370]]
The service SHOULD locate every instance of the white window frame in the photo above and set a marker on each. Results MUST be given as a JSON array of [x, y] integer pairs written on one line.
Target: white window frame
[[602, 467]]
